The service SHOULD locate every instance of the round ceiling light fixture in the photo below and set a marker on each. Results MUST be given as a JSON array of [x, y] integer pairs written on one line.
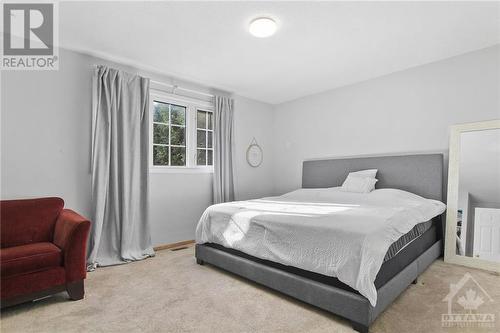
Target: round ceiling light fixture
[[263, 27]]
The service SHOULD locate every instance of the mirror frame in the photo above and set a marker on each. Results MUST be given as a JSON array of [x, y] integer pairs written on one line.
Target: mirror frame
[[450, 254]]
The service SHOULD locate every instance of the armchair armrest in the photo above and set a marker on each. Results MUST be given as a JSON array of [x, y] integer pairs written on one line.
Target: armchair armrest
[[71, 233]]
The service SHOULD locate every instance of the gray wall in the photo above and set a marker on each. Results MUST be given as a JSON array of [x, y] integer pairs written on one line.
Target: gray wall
[[253, 119], [45, 146], [407, 111], [46, 131]]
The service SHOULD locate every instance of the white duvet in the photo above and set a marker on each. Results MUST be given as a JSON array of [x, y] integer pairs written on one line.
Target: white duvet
[[327, 231]]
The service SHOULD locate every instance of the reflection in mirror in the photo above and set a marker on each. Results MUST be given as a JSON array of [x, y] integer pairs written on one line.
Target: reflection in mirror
[[478, 207]]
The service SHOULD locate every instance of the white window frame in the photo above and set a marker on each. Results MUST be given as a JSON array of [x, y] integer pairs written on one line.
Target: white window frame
[[192, 106], [206, 130]]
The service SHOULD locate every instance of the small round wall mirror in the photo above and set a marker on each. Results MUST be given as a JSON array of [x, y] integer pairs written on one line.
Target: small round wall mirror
[[254, 154]]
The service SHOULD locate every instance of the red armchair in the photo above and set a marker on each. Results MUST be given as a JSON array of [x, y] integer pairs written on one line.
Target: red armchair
[[43, 250]]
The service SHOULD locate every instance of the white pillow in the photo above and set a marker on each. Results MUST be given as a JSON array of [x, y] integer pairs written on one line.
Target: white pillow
[[355, 183], [370, 173]]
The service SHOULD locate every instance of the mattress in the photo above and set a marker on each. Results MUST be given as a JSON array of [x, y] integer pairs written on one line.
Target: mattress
[[404, 251], [407, 238], [327, 231]]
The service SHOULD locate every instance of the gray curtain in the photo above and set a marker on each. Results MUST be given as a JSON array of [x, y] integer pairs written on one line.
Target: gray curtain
[[120, 230], [223, 149]]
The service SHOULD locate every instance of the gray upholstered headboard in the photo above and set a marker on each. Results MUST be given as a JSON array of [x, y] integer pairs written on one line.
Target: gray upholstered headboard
[[419, 174]]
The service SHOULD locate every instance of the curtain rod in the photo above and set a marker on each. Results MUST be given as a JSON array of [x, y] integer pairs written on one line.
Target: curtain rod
[[174, 87]]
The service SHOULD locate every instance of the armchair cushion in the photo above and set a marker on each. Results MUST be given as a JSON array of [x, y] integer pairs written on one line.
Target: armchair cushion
[[28, 221], [29, 258]]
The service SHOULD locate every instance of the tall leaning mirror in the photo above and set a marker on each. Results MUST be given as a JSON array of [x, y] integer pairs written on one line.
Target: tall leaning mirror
[[473, 214]]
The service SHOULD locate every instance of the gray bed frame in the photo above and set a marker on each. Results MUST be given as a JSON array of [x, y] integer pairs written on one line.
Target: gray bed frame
[[420, 174]]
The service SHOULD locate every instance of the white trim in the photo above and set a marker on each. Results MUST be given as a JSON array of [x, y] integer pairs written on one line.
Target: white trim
[[450, 254], [190, 128], [177, 169], [206, 130], [182, 99]]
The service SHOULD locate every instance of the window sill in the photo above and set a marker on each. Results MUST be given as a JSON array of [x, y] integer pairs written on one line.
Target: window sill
[[181, 170]]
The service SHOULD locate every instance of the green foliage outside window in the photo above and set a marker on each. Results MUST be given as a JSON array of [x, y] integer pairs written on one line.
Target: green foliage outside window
[[169, 129], [160, 155], [160, 113], [178, 155], [178, 136]]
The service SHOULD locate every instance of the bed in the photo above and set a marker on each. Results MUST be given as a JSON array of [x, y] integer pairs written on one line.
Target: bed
[[338, 288]]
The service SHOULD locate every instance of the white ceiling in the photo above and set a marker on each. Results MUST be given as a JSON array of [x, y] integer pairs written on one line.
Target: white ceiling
[[318, 45], [480, 165]]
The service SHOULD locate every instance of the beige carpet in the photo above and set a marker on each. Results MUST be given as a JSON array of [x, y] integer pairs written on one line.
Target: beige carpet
[[170, 293]]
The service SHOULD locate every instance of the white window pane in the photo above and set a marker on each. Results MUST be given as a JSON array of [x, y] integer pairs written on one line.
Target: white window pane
[[160, 112], [177, 114], [210, 120], [201, 139], [201, 119], [201, 157], [178, 156], [210, 158], [160, 134], [209, 139], [178, 136], [160, 155]]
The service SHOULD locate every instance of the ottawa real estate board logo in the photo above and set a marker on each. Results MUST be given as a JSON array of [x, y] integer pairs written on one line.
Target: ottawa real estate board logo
[[468, 305], [30, 36]]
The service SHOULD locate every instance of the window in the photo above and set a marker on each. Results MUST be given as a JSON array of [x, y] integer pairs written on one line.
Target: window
[[181, 134], [169, 134], [204, 137]]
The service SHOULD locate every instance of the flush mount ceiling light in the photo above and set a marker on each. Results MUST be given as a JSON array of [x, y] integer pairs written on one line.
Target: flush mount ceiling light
[[262, 27]]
